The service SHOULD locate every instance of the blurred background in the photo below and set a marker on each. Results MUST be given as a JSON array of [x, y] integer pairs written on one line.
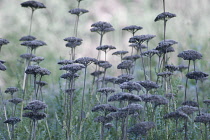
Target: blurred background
[[190, 28]]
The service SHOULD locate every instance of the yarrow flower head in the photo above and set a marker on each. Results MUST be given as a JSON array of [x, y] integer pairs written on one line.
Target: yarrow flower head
[[207, 101], [15, 101], [3, 42], [73, 42], [85, 61], [190, 55], [190, 103], [187, 109], [97, 73], [12, 120], [176, 115], [105, 65], [123, 96], [121, 53], [148, 85], [131, 57], [130, 86], [171, 68], [27, 56], [37, 59], [105, 48], [132, 28], [35, 106], [126, 64], [35, 115], [196, 75], [139, 39], [101, 27], [103, 119], [104, 108], [181, 67], [32, 69], [11, 90], [106, 90], [165, 74], [33, 44], [141, 128], [33, 5], [124, 78], [150, 53], [2, 67], [27, 38], [203, 118], [65, 62], [165, 44], [132, 107], [78, 11], [72, 67], [165, 16], [69, 75]]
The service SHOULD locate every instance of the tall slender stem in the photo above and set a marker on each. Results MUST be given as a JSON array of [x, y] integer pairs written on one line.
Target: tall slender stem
[[32, 13], [196, 89], [142, 59], [83, 93], [185, 93]]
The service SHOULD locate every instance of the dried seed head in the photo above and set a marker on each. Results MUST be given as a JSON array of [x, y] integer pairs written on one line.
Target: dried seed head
[[131, 57], [65, 62], [37, 59], [171, 68], [33, 44], [190, 55], [158, 100], [35, 115], [130, 86], [101, 27], [42, 71], [124, 78], [139, 39], [72, 67], [150, 53], [78, 11], [103, 119], [2, 67], [176, 115], [190, 103], [33, 5], [73, 42], [164, 16], [165, 50], [187, 109], [146, 97], [69, 75], [109, 79], [141, 128], [165, 74], [132, 107], [85, 60], [126, 64], [41, 83], [12, 120], [123, 96], [132, 28], [32, 69], [148, 85], [119, 115], [106, 90], [207, 102], [11, 90], [203, 118], [15, 101], [105, 48], [104, 108], [196, 75], [121, 53], [181, 67], [35, 106], [27, 38], [3, 42], [27, 56], [138, 46], [97, 73], [105, 65]]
